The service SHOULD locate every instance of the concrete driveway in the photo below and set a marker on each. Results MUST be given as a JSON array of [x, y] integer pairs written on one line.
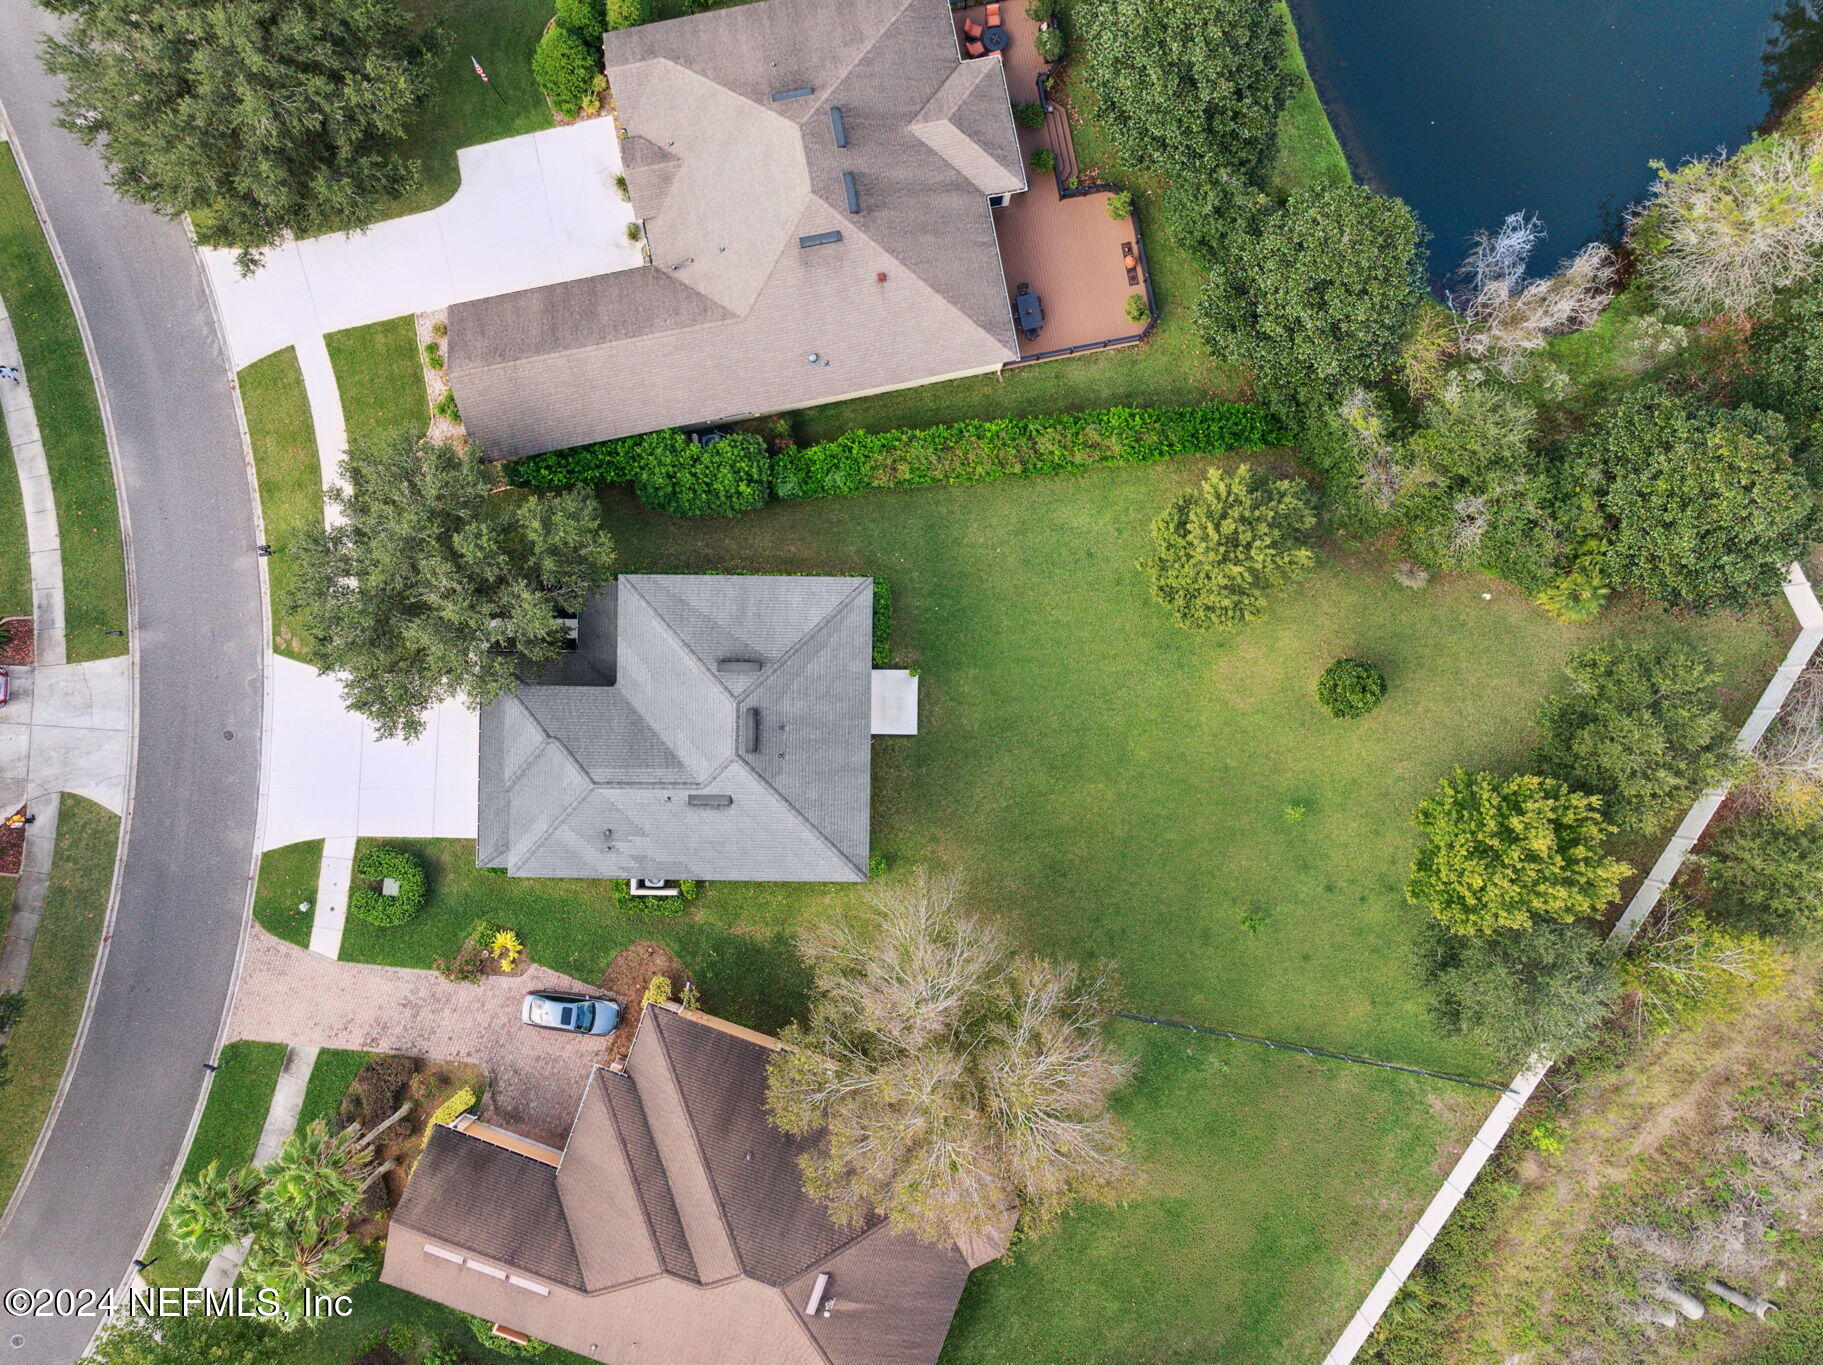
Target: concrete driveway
[[65, 730], [535, 1077], [532, 211], [331, 777]]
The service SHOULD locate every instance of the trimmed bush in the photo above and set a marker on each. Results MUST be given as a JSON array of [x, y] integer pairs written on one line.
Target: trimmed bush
[[1028, 114], [1136, 308], [689, 480], [1350, 688], [565, 69], [374, 866], [455, 1106], [445, 407], [1119, 206], [1043, 161], [1049, 43], [585, 18], [600, 462], [883, 623]]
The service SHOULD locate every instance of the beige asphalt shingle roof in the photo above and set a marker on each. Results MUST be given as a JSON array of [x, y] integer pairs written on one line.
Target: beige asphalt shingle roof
[[723, 321]]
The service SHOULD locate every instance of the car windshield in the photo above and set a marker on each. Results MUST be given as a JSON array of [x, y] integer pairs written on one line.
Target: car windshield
[[564, 1016], [585, 1017]]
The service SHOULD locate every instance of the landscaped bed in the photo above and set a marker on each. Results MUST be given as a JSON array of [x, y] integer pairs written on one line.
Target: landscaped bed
[[1117, 788]]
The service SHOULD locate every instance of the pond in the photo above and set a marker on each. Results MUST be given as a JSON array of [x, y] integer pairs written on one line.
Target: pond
[[1473, 109]]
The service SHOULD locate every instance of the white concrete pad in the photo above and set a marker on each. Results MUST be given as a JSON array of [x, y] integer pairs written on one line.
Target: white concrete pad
[[65, 730], [332, 778], [531, 211], [895, 702]]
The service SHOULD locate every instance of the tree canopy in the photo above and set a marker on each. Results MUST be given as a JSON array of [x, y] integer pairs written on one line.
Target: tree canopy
[[1785, 371], [949, 1081], [1218, 548], [191, 1339], [1500, 852], [1640, 728], [1540, 991], [1706, 508], [1192, 89], [1317, 296], [262, 118], [1765, 870], [433, 587]]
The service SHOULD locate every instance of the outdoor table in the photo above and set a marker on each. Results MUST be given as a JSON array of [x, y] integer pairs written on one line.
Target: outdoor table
[[1031, 313], [996, 39]]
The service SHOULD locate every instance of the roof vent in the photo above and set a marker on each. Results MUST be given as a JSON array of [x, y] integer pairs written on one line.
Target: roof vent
[[819, 239], [835, 121], [778, 96], [753, 729], [848, 188], [698, 799], [738, 665], [817, 1291]]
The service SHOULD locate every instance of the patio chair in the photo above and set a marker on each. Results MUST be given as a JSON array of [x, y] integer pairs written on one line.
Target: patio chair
[[993, 16], [974, 49], [971, 29]]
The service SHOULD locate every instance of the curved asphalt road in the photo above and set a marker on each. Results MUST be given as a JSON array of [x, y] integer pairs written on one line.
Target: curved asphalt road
[[198, 627]]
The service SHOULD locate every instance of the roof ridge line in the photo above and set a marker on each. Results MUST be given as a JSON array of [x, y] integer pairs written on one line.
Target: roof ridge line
[[696, 1141], [620, 1141], [841, 77], [556, 822]]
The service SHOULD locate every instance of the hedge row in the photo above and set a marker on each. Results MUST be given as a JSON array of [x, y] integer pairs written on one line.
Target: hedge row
[[961, 452]]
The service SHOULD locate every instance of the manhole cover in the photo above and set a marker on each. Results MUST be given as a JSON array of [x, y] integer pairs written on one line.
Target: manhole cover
[[227, 734]]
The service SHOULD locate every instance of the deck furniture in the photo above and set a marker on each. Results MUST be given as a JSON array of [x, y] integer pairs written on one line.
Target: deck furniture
[[974, 49], [1031, 311], [971, 29], [1128, 259], [996, 39], [993, 16]]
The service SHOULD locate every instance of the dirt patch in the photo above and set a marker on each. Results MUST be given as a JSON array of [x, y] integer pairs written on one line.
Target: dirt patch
[[12, 849], [18, 641], [626, 980]]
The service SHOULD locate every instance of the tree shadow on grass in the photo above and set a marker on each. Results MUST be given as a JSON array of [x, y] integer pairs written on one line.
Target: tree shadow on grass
[[761, 982]]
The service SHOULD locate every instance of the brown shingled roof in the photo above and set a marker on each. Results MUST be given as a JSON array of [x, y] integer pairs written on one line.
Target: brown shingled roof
[[676, 1228]]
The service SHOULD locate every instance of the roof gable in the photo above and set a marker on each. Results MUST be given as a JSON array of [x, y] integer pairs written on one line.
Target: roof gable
[[969, 123]]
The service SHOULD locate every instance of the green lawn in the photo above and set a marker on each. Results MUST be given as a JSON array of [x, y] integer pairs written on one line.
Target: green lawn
[[463, 112], [1172, 367], [57, 984], [290, 480], [239, 1096], [288, 878], [15, 559], [69, 419], [380, 376], [330, 1078]]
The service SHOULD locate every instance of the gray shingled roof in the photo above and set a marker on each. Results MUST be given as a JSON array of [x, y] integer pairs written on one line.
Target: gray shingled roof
[[585, 778], [722, 320], [675, 1229]]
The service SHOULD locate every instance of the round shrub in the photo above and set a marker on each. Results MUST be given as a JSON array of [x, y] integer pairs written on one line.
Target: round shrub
[[375, 866], [628, 13], [689, 480], [565, 69], [1350, 688]]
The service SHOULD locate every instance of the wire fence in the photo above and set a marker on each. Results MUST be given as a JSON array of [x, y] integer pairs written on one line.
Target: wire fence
[[1310, 1051]]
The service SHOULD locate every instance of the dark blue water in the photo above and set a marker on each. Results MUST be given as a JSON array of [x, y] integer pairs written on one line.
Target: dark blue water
[[1473, 109]]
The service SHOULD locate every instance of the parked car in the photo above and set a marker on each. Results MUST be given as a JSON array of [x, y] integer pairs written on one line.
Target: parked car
[[570, 1013]]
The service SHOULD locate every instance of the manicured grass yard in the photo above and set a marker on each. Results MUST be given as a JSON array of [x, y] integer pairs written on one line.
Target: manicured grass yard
[[239, 1096], [288, 878], [290, 480], [69, 419], [330, 1078], [380, 378], [15, 560], [463, 112], [57, 984], [1112, 787]]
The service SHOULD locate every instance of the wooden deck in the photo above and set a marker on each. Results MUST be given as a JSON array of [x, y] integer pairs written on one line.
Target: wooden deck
[[1067, 250]]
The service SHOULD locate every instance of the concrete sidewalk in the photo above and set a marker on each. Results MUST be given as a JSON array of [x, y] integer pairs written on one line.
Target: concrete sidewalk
[[66, 730], [532, 210]]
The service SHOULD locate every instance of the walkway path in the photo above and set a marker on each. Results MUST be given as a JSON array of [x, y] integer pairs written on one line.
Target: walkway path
[[291, 995], [198, 636], [41, 537], [532, 210]]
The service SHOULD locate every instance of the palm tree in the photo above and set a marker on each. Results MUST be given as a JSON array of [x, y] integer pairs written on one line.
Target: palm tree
[[214, 1210], [296, 1259], [316, 1175]]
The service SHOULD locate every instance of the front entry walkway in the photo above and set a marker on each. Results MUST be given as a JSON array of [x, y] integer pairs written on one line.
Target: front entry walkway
[[532, 211], [536, 1077]]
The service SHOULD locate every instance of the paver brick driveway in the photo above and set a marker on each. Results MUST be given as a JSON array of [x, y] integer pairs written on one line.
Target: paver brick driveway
[[288, 994]]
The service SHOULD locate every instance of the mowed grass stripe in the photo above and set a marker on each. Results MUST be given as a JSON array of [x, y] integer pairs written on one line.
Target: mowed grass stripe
[[290, 481], [380, 377], [69, 419]]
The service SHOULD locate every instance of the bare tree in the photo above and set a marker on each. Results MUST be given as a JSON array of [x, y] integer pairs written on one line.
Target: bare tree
[[1721, 233], [1384, 474], [1503, 316], [1787, 764], [952, 1083]]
